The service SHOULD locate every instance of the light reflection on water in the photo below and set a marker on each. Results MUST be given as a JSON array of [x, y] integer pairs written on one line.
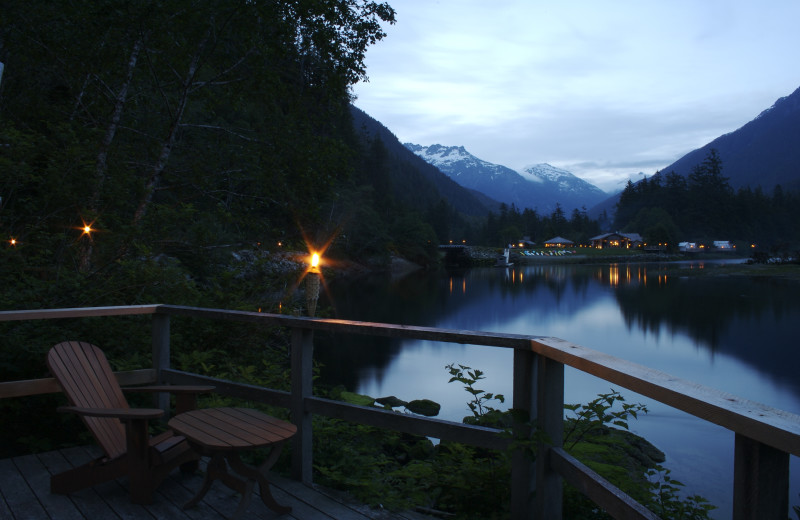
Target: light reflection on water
[[732, 334]]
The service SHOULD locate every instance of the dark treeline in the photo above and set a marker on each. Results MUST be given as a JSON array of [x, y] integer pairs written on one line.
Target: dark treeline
[[510, 225], [703, 207], [189, 138], [181, 132]]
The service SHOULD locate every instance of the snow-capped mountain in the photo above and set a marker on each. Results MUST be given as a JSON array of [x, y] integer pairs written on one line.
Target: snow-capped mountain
[[538, 187]]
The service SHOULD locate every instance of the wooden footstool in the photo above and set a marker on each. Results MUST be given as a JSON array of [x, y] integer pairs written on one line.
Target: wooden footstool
[[221, 433]]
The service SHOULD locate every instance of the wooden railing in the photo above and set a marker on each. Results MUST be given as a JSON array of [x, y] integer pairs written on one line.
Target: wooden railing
[[765, 437]]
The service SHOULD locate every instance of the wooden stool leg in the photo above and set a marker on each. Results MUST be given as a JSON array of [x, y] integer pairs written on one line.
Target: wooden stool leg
[[216, 465], [259, 475], [244, 503]]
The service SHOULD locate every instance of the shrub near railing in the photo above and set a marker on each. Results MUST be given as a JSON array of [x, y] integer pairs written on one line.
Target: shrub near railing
[[598, 436]]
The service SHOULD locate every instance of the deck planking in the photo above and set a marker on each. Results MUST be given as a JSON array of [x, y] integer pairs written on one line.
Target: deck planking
[[25, 495]]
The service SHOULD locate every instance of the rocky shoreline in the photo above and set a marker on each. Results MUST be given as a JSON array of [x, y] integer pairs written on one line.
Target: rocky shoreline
[[291, 264]]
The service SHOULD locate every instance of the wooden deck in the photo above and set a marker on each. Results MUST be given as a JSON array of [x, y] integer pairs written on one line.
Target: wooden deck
[[25, 494]]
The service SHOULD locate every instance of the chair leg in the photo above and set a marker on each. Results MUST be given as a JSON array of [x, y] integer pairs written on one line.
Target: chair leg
[[141, 482]]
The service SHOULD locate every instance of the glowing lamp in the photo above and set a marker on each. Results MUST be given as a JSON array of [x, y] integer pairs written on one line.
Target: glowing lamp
[[87, 230], [312, 285]]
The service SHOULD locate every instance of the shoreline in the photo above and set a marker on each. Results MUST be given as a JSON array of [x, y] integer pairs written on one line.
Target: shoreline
[[486, 257]]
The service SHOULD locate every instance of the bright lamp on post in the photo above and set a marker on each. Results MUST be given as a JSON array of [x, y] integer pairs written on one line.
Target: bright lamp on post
[[312, 284]]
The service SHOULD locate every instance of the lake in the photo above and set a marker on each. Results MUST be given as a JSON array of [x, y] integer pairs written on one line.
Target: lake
[[736, 334]]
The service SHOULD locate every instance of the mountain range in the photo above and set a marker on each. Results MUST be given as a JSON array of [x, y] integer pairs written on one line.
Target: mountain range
[[763, 153], [539, 187], [414, 181]]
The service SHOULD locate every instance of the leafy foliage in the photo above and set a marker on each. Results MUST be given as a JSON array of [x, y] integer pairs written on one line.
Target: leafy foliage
[[597, 414], [667, 502], [591, 435], [479, 404]]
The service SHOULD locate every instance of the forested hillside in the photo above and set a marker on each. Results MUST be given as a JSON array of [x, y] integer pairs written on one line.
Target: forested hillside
[[763, 152], [142, 145], [669, 208], [424, 184]]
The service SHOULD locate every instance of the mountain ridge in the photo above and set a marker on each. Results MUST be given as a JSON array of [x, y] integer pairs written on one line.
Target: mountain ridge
[[762, 153], [430, 181], [539, 186]]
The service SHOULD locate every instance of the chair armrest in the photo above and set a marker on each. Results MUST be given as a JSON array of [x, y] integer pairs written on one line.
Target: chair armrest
[[123, 414], [173, 389], [185, 396]]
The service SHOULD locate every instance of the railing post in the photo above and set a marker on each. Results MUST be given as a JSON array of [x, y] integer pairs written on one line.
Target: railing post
[[523, 469], [161, 353], [536, 490], [760, 481], [548, 499], [302, 354]]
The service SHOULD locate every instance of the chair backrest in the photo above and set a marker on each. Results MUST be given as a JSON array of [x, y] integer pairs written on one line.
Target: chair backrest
[[84, 374]]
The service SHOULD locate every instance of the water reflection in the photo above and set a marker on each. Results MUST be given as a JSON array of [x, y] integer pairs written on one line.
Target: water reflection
[[643, 307], [750, 319], [627, 274], [732, 333]]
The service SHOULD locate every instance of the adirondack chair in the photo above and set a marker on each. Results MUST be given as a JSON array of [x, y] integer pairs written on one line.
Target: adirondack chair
[[94, 394]]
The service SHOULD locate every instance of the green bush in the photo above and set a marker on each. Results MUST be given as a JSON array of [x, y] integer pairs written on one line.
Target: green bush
[[398, 471]]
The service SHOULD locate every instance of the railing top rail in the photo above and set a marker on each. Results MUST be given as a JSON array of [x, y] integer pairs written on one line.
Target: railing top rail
[[76, 312], [492, 339], [770, 426], [777, 428]]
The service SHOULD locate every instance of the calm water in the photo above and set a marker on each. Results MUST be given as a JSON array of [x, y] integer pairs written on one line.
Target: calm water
[[735, 334]]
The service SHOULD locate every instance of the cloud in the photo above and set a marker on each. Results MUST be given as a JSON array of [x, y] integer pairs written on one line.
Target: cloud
[[615, 85]]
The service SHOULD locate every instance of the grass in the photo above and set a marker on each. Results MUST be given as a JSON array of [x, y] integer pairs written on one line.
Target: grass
[[782, 271]]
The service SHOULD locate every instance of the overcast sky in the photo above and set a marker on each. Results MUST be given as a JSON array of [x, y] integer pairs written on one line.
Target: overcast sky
[[604, 89]]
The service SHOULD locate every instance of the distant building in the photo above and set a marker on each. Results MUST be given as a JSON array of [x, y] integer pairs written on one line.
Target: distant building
[[617, 240], [559, 242], [723, 245], [525, 242]]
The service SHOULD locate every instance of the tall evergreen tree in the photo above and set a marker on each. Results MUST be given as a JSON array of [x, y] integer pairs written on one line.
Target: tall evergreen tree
[[710, 197]]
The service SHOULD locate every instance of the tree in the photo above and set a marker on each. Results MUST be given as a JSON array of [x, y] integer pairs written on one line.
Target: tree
[[627, 205], [710, 196], [656, 226], [582, 228], [165, 124], [558, 221]]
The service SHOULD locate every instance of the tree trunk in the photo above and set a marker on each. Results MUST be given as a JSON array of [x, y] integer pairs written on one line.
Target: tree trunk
[[101, 164], [154, 182], [101, 167]]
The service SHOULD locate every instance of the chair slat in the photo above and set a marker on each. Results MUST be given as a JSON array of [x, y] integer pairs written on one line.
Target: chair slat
[[83, 372]]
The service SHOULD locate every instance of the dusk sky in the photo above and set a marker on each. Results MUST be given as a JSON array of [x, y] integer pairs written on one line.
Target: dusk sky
[[603, 89]]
